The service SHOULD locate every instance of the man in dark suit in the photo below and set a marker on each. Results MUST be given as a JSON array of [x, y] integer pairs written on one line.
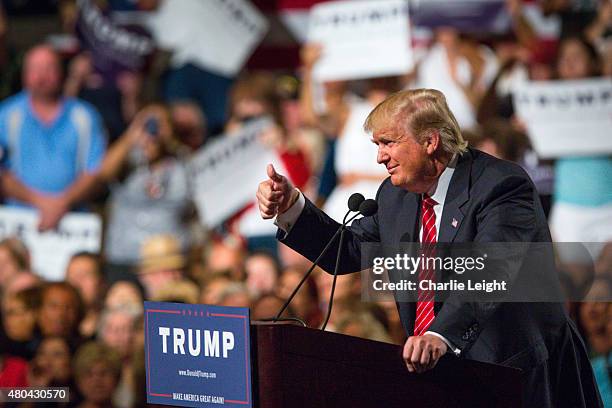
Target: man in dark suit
[[439, 191]]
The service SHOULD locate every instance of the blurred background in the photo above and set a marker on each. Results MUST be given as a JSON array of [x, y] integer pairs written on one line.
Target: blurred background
[[133, 132]]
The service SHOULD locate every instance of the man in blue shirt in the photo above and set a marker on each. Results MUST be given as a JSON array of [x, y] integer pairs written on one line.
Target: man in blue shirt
[[50, 147]]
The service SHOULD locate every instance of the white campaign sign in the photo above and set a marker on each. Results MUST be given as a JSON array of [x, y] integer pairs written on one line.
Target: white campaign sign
[[567, 118], [227, 172], [216, 34], [50, 251], [361, 39]]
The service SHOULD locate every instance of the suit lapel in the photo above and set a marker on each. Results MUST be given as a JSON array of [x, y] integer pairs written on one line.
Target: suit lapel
[[408, 231], [456, 196], [408, 218]]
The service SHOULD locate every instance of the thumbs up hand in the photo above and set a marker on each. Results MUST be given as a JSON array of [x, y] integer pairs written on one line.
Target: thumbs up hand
[[276, 194]]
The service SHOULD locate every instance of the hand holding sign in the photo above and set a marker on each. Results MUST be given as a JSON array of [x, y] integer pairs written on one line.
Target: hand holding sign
[[51, 210], [275, 195], [310, 54]]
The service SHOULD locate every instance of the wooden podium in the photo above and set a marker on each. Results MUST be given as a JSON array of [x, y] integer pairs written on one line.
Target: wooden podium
[[295, 366]]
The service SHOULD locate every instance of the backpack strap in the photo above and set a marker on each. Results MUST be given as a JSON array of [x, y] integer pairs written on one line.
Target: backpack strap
[[82, 121], [15, 122]]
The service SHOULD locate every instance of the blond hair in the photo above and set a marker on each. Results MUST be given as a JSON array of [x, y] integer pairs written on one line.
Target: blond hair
[[418, 112], [94, 352]]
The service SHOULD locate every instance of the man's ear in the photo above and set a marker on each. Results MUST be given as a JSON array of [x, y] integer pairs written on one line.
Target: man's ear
[[432, 141]]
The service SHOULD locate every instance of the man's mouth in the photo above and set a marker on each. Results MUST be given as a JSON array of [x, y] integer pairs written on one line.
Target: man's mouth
[[391, 169]]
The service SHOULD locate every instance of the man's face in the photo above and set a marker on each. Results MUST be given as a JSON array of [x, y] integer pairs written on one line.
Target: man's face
[[58, 313], [42, 73], [406, 160]]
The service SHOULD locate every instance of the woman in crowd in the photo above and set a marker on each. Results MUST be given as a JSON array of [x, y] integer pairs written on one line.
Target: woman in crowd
[[19, 311], [97, 369], [118, 330], [459, 68], [254, 96], [52, 364], [52, 367], [583, 186], [593, 315], [150, 192], [124, 293], [85, 274], [16, 338], [341, 119]]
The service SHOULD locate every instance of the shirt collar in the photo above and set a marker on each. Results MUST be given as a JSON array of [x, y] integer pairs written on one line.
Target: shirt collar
[[441, 188]]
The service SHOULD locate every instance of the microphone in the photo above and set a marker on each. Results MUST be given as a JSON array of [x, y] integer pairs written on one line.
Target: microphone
[[355, 202], [367, 208]]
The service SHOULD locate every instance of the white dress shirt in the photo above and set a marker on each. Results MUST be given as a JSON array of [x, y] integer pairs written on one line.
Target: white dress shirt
[[438, 194]]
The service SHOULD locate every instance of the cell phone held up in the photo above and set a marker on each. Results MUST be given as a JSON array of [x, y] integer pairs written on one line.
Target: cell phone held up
[[151, 126]]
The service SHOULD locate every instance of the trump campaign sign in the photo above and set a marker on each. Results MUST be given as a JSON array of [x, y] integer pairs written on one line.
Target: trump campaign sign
[[197, 355], [227, 171], [218, 35], [51, 250], [362, 39], [567, 118]]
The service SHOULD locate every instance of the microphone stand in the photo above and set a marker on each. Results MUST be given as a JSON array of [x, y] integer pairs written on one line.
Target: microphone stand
[[333, 288], [366, 210], [315, 263]]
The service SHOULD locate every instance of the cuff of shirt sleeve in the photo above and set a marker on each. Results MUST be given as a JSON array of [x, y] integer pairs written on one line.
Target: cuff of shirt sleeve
[[286, 220], [451, 347]]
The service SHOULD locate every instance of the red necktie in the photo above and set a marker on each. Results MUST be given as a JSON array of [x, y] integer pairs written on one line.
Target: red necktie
[[425, 303]]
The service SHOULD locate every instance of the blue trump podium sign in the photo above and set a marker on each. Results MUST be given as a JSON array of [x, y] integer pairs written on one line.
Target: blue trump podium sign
[[197, 355]]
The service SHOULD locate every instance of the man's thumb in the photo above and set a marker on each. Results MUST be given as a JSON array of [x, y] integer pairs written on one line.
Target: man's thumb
[[274, 176]]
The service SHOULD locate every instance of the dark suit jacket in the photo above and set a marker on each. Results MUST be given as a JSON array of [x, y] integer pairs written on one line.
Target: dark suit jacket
[[492, 201]]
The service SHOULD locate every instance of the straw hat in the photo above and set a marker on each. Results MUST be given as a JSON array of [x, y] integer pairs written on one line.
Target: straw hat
[[161, 252]]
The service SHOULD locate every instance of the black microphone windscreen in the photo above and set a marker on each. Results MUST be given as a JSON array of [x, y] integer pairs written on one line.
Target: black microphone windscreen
[[355, 201], [368, 207]]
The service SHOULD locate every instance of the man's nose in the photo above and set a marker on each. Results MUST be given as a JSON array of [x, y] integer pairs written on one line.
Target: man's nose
[[382, 156]]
